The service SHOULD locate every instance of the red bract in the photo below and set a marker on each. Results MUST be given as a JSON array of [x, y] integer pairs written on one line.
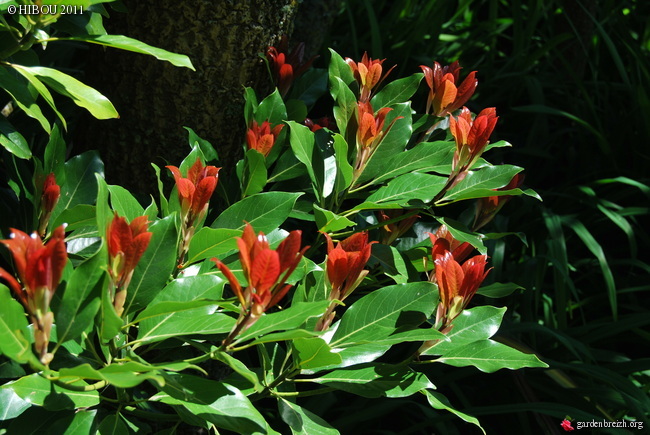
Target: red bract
[[261, 137], [487, 208], [287, 66], [444, 94], [443, 241], [39, 268], [457, 284], [126, 244], [49, 198], [370, 133], [471, 136], [323, 122], [265, 269], [194, 192], [368, 73]]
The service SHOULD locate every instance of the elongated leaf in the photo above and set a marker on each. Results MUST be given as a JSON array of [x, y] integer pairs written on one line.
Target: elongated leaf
[[238, 367], [254, 174], [271, 109], [302, 142], [130, 44], [302, 421], [78, 308], [210, 242], [124, 203], [292, 317], [376, 380], [171, 319], [312, 353], [439, 401], [81, 94], [39, 391], [155, 266], [264, 211], [409, 187], [113, 424], [384, 312], [191, 288], [11, 405], [499, 289], [391, 262], [475, 324], [397, 91], [79, 216], [41, 89], [329, 222], [482, 183], [489, 356], [13, 141], [121, 375], [344, 169], [217, 402], [23, 98], [13, 326]]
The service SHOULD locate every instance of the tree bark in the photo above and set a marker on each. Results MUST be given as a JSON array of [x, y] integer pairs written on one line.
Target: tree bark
[[156, 100]]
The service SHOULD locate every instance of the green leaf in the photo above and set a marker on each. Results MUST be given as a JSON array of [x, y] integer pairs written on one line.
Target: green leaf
[[302, 142], [481, 183], [80, 183], [439, 401], [254, 173], [19, 91], [109, 322], [338, 68], [425, 156], [409, 187], [499, 289], [312, 353], [130, 44], [292, 317], [11, 405], [329, 222], [344, 170], [81, 94], [79, 216], [13, 141], [397, 91], [121, 375], [376, 380], [463, 234], [124, 203], [77, 308], [250, 105], [271, 109], [489, 356], [264, 211], [172, 319], [346, 102], [384, 312], [211, 242], [475, 324], [13, 326], [302, 421], [238, 367], [41, 89], [391, 261], [80, 422], [39, 391], [192, 288], [155, 266], [54, 157], [217, 402], [206, 147], [113, 424]]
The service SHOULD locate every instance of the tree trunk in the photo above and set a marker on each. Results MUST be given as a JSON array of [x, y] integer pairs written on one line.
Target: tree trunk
[[156, 100]]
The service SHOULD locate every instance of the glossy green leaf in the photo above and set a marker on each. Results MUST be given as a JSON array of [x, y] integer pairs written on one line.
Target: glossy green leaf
[[397, 91], [80, 183], [475, 324], [312, 353], [264, 211], [292, 334], [206, 147], [302, 142], [238, 367], [124, 203], [54, 157], [81, 422], [41, 89], [211, 242], [344, 168], [79, 216], [391, 261], [329, 222], [109, 322], [481, 183], [292, 317], [302, 421], [425, 156], [81, 94], [172, 319], [499, 289], [13, 327], [129, 44], [386, 311], [409, 187], [39, 391], [346, 107], [254, 173], [376, 380], [463, 234], [250, 104], [192, 288], [78, 308], [439, 401], [217, 402], [271, 109], [113, 424], [121, 375], [13, 141], [20, 93], [489, 356], [11, 405], [156, 265], [286, 168], [340, 69]]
